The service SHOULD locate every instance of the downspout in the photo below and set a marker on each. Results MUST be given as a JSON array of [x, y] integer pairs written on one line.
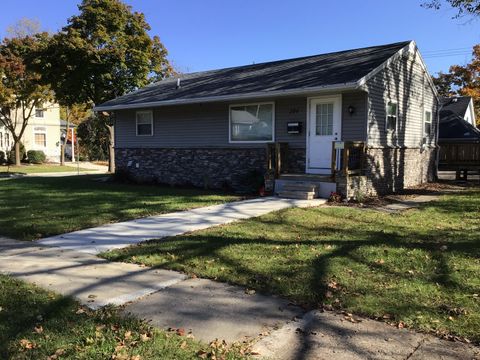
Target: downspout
[[437, 155]]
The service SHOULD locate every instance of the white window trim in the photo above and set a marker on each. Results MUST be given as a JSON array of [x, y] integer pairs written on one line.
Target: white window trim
[[425, 121], [386, 117], [44, 131], [250, 141], [150, 112]]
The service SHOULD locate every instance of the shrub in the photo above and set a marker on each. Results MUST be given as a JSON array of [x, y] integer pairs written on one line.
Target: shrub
[[36, 156], [335, 197], [3, 159], [11, 154]]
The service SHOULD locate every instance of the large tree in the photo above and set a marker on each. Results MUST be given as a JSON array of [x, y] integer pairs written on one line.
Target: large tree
[[102, 53], [463, 7], [21, 90], [463, 80]]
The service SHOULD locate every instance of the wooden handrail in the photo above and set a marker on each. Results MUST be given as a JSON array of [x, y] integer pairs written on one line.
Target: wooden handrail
[[345, 168], [277, 158]]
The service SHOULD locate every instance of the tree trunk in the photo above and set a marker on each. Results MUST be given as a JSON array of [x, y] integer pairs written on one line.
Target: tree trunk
[[111, 149], [17, 153]]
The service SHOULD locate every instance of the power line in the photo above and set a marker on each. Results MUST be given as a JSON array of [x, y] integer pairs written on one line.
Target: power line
[[446, 50]]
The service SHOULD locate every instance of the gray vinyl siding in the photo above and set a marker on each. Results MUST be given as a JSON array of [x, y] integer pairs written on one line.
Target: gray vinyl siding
[[199, 125], [354, 126], [207, 125], [291, 110], [405, 82]]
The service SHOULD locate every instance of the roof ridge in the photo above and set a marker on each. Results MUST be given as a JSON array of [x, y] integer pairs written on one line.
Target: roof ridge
[[294, 58]]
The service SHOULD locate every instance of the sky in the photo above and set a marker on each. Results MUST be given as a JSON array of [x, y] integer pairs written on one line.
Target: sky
[[210, 34]]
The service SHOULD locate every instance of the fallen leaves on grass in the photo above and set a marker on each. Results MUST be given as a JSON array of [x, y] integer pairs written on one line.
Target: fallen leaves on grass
[[38, 329], [27, 344], [56, 355]]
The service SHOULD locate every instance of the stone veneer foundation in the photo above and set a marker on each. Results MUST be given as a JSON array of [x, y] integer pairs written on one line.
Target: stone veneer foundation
[[390, 170], [205, 167]]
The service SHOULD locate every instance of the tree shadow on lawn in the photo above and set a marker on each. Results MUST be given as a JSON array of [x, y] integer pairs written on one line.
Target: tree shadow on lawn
[[307, 269], [32, 208]]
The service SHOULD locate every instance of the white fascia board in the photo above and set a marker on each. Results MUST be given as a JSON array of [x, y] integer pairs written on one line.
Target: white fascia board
[[410, 48], [262, 94]]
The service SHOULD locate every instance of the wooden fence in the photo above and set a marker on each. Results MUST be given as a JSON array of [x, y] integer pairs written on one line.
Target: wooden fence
[[459, 156]]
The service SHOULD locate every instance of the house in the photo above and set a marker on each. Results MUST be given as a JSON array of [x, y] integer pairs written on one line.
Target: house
[[42, 132], [459, 138], [360, 121], [457, 120]]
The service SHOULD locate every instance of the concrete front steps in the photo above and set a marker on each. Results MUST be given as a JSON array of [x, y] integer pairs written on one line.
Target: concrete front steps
[[299, 190], [304, 186]]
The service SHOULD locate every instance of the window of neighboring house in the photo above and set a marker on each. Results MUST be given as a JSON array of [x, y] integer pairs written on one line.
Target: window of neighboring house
[[7, 140], [252, 122], [392, 115], [40, 134], [39, 113], [1, 140], [144, 123], [428, 123]]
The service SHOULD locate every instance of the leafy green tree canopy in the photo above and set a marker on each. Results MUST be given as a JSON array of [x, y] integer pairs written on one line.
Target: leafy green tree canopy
[[102, 53], [21, 88]]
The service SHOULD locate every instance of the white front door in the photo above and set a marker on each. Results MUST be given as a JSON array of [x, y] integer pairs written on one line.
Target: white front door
[[324, 127]]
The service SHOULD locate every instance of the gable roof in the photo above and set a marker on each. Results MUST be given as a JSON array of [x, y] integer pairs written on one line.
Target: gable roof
[[457, 105], [455, 127], [452, 122], [338, 70]]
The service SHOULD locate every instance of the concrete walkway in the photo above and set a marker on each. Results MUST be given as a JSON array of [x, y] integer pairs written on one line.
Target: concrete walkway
[[207, 309], [330, 336], [94, 282], [119, 235], [211, 310]]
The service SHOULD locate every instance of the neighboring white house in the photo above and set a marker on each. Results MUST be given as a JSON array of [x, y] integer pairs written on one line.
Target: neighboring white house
[[42, 132]]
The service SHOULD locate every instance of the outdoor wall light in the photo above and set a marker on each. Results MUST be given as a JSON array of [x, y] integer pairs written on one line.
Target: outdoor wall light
[[351, 109]]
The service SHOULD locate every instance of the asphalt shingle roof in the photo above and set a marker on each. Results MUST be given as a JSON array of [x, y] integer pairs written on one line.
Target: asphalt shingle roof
[[344, 67], [452, 122], [457, 105]]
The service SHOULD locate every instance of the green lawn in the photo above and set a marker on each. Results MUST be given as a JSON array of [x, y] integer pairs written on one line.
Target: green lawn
[[38, 169], [32, 208], [418, 269], [36, 324]]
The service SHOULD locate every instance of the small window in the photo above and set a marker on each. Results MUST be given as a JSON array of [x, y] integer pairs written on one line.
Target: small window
[[1, 140], [7, 141], [251, 123], [39, 113], [428, 123], [144, 123], [40, 135], [41, 140], [392, 114]]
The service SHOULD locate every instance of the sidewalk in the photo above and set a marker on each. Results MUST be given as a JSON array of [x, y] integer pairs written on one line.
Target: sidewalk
[[208, 309], [118, 235], [211, 310]]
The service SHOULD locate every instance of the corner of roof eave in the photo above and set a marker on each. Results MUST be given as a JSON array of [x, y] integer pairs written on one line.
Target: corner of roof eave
[[296, 92]]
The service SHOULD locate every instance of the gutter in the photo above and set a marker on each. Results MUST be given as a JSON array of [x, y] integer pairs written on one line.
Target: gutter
[[260, 94]]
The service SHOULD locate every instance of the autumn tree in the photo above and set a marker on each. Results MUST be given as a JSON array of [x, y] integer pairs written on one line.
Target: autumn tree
[[463, 7], [72, 114], [102, 53], [21, 90], [463, 81]]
